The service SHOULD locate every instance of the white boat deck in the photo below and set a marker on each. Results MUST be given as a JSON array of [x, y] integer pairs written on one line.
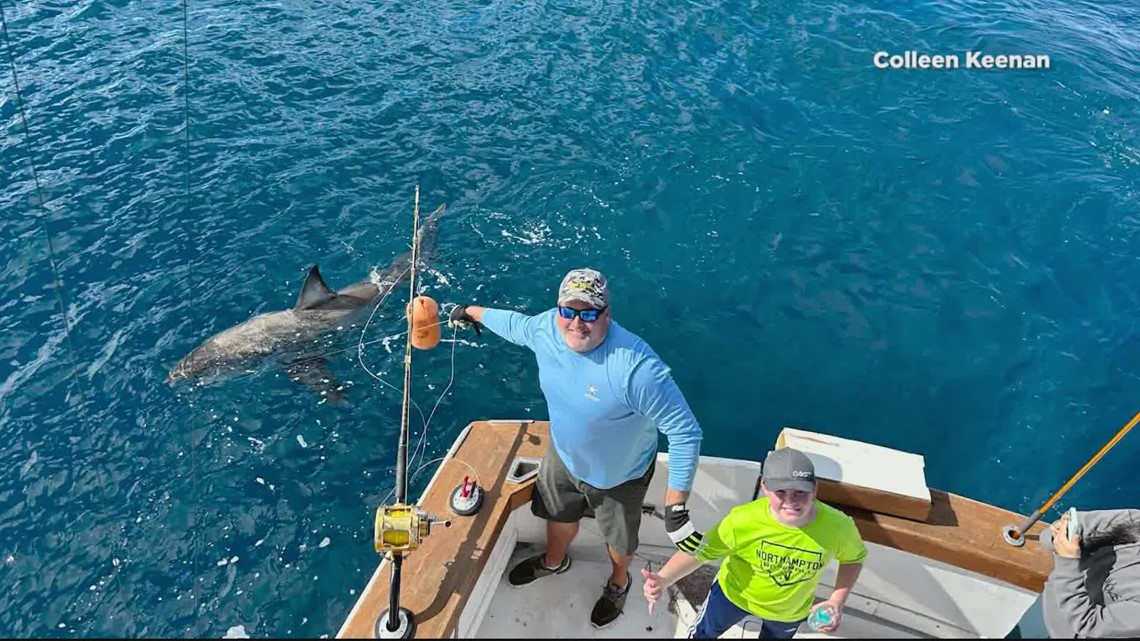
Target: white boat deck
[[559, 606]]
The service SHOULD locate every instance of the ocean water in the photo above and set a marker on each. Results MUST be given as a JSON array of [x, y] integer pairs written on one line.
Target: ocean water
[[941, 261]]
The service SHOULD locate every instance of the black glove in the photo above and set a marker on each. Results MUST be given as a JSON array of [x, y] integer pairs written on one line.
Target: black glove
[[460, 318], [680, 529]]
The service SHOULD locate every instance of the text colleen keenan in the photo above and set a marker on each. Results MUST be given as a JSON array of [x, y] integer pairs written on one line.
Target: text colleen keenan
[[969, 60]]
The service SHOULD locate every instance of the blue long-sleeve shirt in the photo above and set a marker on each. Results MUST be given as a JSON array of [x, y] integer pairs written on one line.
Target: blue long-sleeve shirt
[[607, 405]]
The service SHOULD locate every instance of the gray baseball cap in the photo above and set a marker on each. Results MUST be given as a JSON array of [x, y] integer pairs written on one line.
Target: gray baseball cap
[[586, 285], [788, 469]]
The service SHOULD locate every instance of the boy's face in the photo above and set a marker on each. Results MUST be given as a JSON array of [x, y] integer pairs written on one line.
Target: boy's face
[[791, 507]]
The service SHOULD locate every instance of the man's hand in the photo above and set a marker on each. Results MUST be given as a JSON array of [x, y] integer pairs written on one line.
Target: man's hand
[[681, 530], [654, 586], [836, 612], [1062, 544], [461, 319]]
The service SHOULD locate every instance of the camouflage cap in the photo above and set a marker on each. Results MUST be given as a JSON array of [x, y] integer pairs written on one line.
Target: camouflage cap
[[586, 285]]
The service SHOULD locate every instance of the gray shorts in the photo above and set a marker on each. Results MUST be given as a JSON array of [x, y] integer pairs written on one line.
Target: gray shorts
[[558, 496]]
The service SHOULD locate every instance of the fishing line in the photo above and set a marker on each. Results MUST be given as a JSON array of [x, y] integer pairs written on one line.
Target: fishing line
[[421, 467], [426, 421], [194, 495], [423, 435], [59, 292]]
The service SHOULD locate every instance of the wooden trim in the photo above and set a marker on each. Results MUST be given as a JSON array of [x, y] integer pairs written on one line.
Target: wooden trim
[[441, 574], [963, 533], [872, 500]]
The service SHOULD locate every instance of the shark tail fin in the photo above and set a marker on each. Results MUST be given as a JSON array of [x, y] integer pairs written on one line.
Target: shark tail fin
[[314, 291]]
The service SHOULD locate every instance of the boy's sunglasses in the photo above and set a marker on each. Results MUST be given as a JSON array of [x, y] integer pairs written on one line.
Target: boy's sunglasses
[[587, 315]]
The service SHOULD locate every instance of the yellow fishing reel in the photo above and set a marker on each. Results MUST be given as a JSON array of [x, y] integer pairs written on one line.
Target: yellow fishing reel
[[402, 528]]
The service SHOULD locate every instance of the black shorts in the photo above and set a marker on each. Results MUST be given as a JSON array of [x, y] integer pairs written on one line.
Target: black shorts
[[558, 496]]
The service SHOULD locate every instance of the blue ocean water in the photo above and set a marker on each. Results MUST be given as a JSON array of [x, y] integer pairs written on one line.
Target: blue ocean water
[[938, 261]]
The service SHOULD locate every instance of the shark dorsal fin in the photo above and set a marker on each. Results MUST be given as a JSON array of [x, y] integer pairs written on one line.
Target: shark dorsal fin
[[314, 291]]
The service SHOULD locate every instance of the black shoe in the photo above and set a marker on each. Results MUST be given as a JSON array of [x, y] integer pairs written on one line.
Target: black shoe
[[535, 568], [609, 607]]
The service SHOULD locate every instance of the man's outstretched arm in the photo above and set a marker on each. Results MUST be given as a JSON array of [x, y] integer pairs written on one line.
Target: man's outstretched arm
[[513, 326]]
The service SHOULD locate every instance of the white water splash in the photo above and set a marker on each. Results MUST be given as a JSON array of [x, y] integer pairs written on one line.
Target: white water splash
[[599, 201], [442, 279], [375, 277], [387, 341], [535, 234], [236, 632], [461, 341]]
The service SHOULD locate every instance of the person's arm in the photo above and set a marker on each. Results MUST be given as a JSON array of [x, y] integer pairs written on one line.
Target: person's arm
[[679, 566], [1087, 619], [654, 393], [513, 326], [844, 582], [673, 496], [719, 543], [1093, 525], [851, 554]]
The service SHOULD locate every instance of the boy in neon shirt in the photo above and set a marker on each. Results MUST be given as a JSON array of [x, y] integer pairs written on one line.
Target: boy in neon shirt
[[774, 550]]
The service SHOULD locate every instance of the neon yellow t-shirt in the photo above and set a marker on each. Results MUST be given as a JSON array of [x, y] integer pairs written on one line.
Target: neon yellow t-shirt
[[772, 570]]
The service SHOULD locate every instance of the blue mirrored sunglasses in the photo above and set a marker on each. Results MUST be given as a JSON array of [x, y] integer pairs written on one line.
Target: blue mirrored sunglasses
[[587, 315]]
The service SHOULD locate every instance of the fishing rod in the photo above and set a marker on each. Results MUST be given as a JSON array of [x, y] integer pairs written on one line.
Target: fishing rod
[[401, 527], [1015, 536]]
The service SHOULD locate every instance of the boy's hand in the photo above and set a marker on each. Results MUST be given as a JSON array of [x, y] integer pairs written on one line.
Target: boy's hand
[[654, 586], [836, 611]]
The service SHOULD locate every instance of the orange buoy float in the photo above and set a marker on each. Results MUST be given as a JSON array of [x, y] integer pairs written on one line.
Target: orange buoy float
[[425, 322]]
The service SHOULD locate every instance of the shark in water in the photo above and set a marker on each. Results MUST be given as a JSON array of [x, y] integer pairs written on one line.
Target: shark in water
[[291, 334]]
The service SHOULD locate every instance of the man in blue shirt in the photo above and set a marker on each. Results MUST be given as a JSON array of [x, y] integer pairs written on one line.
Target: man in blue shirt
[[607, 394]]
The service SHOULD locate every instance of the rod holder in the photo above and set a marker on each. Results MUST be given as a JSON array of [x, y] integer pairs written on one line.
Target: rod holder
[[405, 628], [1013, 536], [466, 498]]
